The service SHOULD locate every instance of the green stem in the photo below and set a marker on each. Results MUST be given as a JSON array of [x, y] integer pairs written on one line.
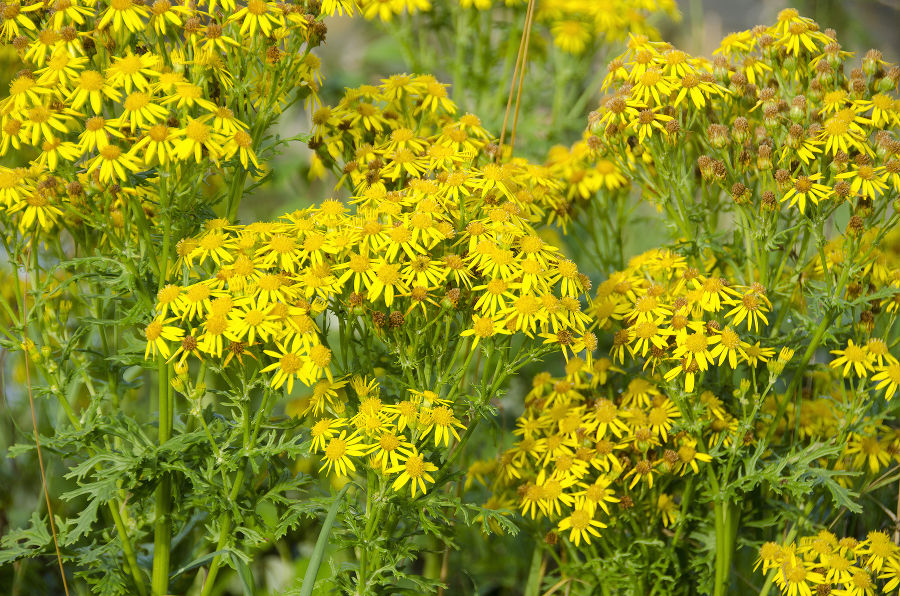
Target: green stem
[[249, 438], [128, 549], [162, 535]]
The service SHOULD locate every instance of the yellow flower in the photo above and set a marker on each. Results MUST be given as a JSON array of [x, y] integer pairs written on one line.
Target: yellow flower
[[37, 206], [581, 523], [806, 187], [388, 450], [158, 333], [855, 357], [752, 306], [415, 470], [113, 163], [339, 450], [866, 179], [888, 378], [442, 421], [196, 136], [158, 145], [261, 14], [289, 366], [667, 509], [92, 87], [123, 12], [131, 71], [647, 121], [570, 35], [140, 110]]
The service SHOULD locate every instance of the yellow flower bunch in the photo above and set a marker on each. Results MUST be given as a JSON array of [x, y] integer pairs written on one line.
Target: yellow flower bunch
[[663, 313], [596, 437], [400, 437], [433, 233], [111, 95], [824, 563], [585, 174], [772, 120]]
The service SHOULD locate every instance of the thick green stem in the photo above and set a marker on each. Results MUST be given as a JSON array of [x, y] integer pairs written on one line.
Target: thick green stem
[[162, 531]]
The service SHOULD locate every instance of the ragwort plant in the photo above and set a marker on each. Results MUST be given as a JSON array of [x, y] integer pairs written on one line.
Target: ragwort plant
[[145, 124], [722, 407], [746, 396], [130, 124]]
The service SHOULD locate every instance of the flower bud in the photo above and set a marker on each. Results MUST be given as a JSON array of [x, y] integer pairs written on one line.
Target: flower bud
[[798, 108], [871, 63]]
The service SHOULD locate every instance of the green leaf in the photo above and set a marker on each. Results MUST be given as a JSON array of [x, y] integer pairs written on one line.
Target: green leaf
[[83, 522], [199, 561], [244, 573], [309, 580]]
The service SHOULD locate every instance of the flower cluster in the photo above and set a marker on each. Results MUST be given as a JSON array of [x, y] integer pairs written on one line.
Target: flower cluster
[[774, 123], [432, 232], [664, 313], [400, 438], [108, 98], [826, 564], [596, 437]]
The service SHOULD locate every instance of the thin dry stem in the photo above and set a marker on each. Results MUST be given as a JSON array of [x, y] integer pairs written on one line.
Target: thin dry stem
[[37, 438], [518, 76]]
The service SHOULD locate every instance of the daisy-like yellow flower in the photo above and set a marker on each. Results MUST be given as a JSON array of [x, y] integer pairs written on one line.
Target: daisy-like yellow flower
[[36, 206], [196, 135], [647, 121], [868, 449], [140, 110], [123, 12], [415, 470], [158, 332], [581, 523], [751, 306], [113, 163], [92, 87], [806, 187], [696, 348], [289, 366], [241, 143], [442, 422], [796, 578], [755, 354], [888, 378], [853, 357], [258, 14], [653, 84], [158, 144], [843, 132], [688, 456], [132, 71], [388, 450], [340, 449], [697, 88], [667, 508], [323, 431], [572, 36], [867, 180]]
